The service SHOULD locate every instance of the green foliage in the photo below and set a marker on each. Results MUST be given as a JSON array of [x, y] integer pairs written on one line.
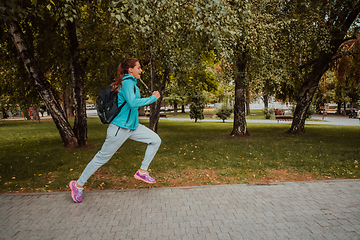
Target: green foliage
[[304, 31], [173, 93], [11, 10], [189, 39], [341, 82], [333, 89], [174, 98], [203, 80], [48, 50], [311, 111], [197, 105], [224, 112]]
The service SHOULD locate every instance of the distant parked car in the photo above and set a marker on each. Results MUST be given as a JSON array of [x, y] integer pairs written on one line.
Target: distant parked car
[[90, 106]]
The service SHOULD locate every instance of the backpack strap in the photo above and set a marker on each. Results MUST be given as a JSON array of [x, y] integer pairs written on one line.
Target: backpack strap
[[122, 105], [125, 100]]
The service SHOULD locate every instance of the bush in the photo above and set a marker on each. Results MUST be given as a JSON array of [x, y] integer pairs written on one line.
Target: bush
[[311, 111], [197, 105], [268, 112], [224, 112]]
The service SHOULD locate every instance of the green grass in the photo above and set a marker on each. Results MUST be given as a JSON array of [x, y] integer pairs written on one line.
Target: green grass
[[32, 157]]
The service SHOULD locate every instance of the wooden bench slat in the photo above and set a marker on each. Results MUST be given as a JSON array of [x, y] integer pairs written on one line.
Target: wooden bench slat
[[283, 118]]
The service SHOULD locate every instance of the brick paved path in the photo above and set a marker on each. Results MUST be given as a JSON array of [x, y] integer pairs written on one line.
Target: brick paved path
[[298, 210]]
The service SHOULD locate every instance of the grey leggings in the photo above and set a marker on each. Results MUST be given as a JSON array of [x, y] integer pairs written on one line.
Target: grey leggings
[[115, 137]]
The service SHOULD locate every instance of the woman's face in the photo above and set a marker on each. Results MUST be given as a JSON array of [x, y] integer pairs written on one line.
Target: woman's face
[[136, 71]]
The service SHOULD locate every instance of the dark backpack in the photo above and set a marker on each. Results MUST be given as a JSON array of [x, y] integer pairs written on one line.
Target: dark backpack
[[107, 105]]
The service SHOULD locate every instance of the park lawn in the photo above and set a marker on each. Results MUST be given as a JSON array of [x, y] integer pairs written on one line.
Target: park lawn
[[33, 159]]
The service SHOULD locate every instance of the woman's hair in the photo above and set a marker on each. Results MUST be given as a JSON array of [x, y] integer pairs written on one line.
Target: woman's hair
[[122, 70]]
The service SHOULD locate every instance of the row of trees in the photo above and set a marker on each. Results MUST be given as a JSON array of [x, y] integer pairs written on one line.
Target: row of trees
[[280, 48]]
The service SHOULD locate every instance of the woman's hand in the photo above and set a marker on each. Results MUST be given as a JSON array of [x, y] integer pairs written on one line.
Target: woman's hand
[[157, 94]]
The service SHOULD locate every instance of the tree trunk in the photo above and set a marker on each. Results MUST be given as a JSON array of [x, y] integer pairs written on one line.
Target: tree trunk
[[183, 108], [68, 109], [155, 107], [42, 86], [239, 127], [303, 103], [142, 111], [65, 103], [247, 108], [339, 108], [77, 77], [342, 22], [36, 113], [266, 100], [26, 113], [154, 115], [175, 109], [307, 92], [248, 100]]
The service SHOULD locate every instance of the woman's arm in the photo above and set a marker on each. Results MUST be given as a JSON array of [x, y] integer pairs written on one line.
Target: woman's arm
[[132, 100]]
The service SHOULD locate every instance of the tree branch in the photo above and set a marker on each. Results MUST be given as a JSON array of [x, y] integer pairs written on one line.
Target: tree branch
[[336, 56], [343, 54]]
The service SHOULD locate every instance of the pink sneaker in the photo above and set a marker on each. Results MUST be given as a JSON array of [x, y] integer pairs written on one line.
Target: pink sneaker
[[144, 177], [76, 192]]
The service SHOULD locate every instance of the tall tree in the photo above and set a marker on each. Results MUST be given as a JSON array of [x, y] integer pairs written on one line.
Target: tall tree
[[163, 33], [242, 40], [77, 76], [42, 85], [67, 13], [239, 125], [151, 25], [311, 37], [174, 95], [60, 15], [238, 45]]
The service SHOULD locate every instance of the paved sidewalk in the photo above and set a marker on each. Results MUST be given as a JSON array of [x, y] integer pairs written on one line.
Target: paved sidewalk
[[293, 210], [330, 119]]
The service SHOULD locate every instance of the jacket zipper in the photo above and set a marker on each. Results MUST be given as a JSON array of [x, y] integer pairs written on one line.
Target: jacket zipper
[[117, 132], [127, 121]]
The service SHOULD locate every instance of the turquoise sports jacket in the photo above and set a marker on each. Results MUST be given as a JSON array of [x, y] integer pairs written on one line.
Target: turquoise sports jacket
[[129, 115]]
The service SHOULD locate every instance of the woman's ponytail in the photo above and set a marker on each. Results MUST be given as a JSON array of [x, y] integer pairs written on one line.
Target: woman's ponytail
[[121, 71]]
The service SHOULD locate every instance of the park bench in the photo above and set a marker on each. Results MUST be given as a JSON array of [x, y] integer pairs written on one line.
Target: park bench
[[208, 115], [279, 112], [283, 118]]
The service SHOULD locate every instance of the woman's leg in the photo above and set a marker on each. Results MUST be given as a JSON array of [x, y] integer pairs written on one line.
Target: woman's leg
[[115, 137], [145, 135]]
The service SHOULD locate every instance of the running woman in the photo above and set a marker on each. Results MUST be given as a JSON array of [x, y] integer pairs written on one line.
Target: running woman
[[124, 126]]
